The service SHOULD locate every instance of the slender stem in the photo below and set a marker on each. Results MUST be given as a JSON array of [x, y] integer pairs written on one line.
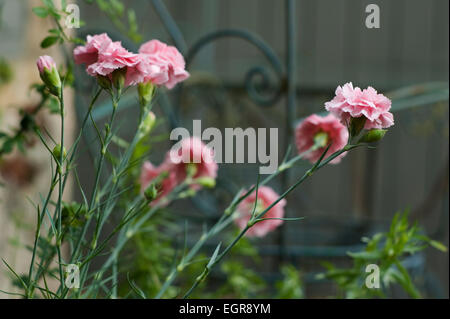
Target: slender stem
[[60, 166], [37, 234]]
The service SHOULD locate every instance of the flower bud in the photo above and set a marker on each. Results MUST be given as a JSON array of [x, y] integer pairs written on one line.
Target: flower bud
[[190, 192], [145, 91], [207, 182], [57, 152], [49, 74], [372, 136], [151, 192]]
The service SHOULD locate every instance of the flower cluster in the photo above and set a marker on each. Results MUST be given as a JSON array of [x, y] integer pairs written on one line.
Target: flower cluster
[[156, 62]]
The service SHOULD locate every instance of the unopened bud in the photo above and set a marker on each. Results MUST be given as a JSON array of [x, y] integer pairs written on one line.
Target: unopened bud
[[57, 152], [151, 192], [190, 192], [207, 182], [372, 136], [49, 74]]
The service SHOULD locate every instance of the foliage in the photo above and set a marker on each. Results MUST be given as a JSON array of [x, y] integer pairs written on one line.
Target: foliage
[[290, 287], [115, 10], [387, 251]]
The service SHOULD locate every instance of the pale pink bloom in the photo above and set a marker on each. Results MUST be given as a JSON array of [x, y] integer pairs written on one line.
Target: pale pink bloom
[[266, 196], [168, 60], [149, 172], [45, 62], [88, 54], [114, 57], [336, 132], [102, 56], [143, 71], [353, 102], [192, 151]]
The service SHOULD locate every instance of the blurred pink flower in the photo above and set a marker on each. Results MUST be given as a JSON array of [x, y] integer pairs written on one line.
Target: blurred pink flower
[[336, 134], [192, 151], [177, 163], [168, 60], [353, 102], [102, 56], [149, 172], [266, 196], [45, 62]]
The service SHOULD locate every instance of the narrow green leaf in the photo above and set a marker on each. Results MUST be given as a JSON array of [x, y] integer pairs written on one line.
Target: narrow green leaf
[[49, 41], [214, 256], [41, 12]]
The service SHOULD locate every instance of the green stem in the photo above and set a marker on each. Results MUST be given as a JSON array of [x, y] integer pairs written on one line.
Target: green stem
[[60, 166]]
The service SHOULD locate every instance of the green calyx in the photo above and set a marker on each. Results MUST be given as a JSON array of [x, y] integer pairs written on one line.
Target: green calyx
[[52, 80], [146, 92], [356, 125], [372, 136]]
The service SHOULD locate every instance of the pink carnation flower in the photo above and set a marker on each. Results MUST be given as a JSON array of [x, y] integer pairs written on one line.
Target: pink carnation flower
[[337, 135], [161, 64], [88, 54], [353, 102], [266, 196], [143, 71], [192, 151], [102, 56], [45, 62]]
